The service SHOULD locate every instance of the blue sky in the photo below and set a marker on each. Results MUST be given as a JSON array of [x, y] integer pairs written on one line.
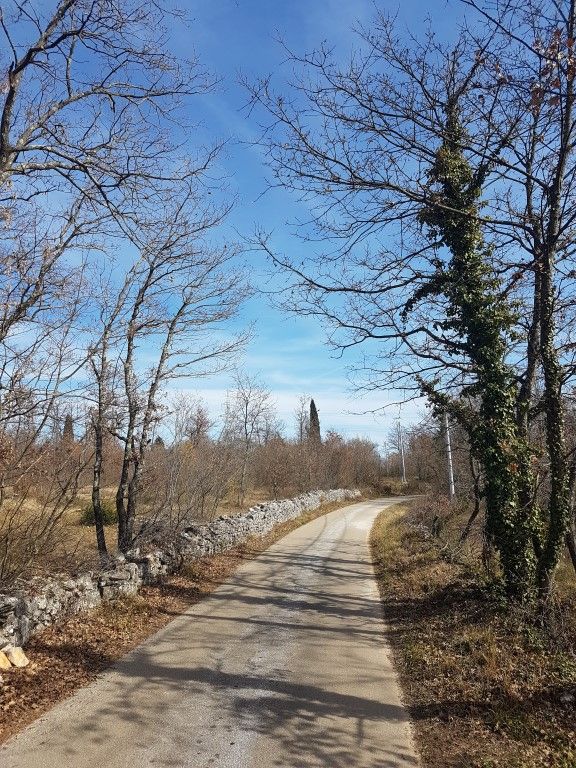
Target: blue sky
[[233, 37]]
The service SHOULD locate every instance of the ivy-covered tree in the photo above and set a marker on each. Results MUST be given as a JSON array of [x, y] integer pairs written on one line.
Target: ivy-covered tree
[[483, 320], [443, 179]]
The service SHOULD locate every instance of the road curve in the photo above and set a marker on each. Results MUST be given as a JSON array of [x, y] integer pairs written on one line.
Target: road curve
[[283, 666]]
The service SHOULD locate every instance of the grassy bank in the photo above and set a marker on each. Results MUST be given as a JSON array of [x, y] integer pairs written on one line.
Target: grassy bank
[[485, 686]]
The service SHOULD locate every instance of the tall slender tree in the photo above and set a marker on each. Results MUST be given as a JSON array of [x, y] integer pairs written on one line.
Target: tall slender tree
[[314, 436]]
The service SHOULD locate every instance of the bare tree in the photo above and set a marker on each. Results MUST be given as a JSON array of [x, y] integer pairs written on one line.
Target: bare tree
[[88, 99], [177, 295], [249, 420], [195, 423], [87, 88]]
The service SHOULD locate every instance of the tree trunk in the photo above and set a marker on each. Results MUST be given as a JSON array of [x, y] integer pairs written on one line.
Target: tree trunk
[[96, 497], [131, 502], [559, 502], [559, 512], [124, 533], [243, 473]]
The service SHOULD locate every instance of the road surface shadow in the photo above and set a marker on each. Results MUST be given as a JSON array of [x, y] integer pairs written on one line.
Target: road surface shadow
[[305, 724]]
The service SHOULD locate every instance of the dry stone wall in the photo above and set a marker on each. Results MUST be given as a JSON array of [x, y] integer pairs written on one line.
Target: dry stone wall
[[39, 602]]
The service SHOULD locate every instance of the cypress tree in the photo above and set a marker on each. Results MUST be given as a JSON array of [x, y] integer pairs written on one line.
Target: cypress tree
[[314, 429], [68, 431]]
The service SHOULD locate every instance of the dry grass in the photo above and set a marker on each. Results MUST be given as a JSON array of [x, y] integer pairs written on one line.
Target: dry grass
[[485, 687], [70, 655]]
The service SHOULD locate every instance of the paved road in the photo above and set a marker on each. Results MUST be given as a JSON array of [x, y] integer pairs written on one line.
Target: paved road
[[285, 665]]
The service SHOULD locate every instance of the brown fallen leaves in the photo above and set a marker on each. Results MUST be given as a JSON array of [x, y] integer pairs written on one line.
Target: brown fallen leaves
[[485, 686]]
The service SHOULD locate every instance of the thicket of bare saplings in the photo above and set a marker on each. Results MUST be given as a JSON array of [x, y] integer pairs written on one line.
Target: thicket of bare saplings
[[195, 470]]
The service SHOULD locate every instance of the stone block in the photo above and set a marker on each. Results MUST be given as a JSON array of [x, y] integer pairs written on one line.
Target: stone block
[[17, 657]]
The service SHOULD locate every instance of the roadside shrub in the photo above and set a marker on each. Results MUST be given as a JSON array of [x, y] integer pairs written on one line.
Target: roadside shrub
[[108, 512]]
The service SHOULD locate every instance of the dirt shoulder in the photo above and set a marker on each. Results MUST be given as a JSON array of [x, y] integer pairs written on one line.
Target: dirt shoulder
[[484, 686], [69, 655]]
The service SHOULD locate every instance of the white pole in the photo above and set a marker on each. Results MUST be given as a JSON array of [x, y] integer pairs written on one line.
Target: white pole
[[451, 486], [401, 443]]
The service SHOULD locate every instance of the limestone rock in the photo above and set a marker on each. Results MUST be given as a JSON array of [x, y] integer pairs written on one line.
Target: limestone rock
[[4, 661], [17, 657]]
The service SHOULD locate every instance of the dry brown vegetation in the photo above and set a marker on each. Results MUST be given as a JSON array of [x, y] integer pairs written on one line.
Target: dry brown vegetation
[[193, 478], [199, 470], [485, 683]]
